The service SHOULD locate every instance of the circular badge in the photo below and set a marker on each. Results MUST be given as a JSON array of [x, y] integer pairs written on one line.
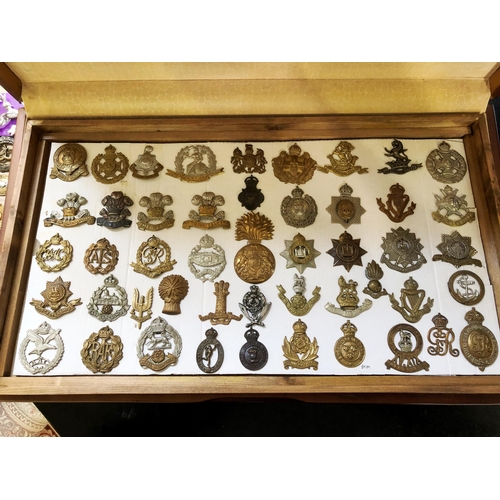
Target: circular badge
[[445, 164], [349, 351], [69, 162], [466, 287], [254, 263], [253, 354]]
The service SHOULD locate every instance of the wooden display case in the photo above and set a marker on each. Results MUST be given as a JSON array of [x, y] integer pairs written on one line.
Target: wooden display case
[[21, 217]]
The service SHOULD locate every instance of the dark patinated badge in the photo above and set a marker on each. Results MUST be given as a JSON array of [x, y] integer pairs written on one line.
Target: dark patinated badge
[[402, 251], [441, 338], [346, 251], [210, 353], [445, 164], [405, 355], [251, 197], [457, 250], [299, 210], [115, 211], [397, 203], [110, 167], [401, 163], [410, 301], [255, 306], [253, 354]]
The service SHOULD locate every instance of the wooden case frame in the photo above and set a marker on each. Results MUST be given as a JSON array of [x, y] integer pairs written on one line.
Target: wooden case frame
[[26, 187]]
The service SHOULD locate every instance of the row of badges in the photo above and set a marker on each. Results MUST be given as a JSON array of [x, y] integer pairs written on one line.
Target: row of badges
[[197, 163]]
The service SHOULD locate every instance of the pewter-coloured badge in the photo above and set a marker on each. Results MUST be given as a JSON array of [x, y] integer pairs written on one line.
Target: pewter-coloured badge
[[452, 209], [109, 167], [441, 338], [348, 300], [402, 251], [196, 163], [299, 351], [300, 253], [220, 316], [253, 354], [349, 350], [146, 166], [255, 306], [102, 351], [69, 163], [45, 347], [401, 163], [210, 353], [345, 209], [6, 145], [457, 250], [54, 255], [298, 305], [374, 288], [342, 161], [157, 217], [109, 301], [405, 355], [153, 258], [346, 251], [299, 210], [207, 216], [71, 214], [159, 346], [294, 167], [446, 164], [250, 162], [207, 260], [173, 290], [55, 303], [115, 211], [101, 257], [141, 307], [251, 196], [396, 205], [478, 344], [410, 301], [466, 287]]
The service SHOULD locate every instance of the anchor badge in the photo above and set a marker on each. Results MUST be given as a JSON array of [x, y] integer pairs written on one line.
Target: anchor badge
[[401, 163], [153, 258], [146, 166], [220, 316], [109, 301], [294, 167], [208, 217], [397, 201], [156, 218], [115, 211], [452, 209], [109, 167], [299, 351], [101, 257], [69, 163], [410, 301], [141, 307], [345, 209], [406, 357], [55, 303], [190, 164], [249, 162], [457, 250], [466, 287], [342, 161], [206, 350], [207, 260], [348, 300], [71, 214], [446, 164], [298, 305], [102, 351], [441, 338]]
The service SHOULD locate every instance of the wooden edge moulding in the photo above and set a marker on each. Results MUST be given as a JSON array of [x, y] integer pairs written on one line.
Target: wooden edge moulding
[[22, 212]]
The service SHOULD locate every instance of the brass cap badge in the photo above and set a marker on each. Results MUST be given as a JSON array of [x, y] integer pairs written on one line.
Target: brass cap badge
[[299, 351], [457, 250], [102, 351], [410, 301], [249, 162], [109, 167], [54, 255], [298, 305], [446, 164], [294, 167], [153, 258], [69, 163], [196, 163], [157, 218], [348, 300], [101, 257], [71, 214], [402, 251], [299, 210], [345, 209], [397, 201], [342, 162], [173, 289], [207, 216], [220, 316], [55, 303], [349, 350], [405, 355]]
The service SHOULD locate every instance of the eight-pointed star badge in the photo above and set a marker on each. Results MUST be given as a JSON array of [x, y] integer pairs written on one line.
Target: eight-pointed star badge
[[402, 251], [345, 209], [299, 253], [346, 251]]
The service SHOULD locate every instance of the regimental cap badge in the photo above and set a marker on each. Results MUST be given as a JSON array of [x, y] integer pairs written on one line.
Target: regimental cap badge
[[348, 300], [115, 211], [410, 301], [109, 301], [300, 253], [207, 216], [298, 305], [157, 217], [349, 350], [196, 163], [207, 349], [6, 146], [54, 255], [55, 303], [102, 351], [250, 162], [299, 351], [452, 209], [346, 251], [45, 347], [109, 167], [441, 338], [251, 197], [294, 167], [299, 210], [466, 287], [146, 166], [402, 251], [456, 250], [69, 163], [374, 273], [255, 306], [141, 307], [173, 289], [207, 260], [153, 258], [342, 161], [220, 316], [405, 355], [101, 257], [253, 354], [397, 201], [445, 164], [71, 214], [401, 163], [345, 209]]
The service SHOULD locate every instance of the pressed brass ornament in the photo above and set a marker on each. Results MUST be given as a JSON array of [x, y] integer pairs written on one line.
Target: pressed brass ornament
[[196, 163], [6, 146], [478, 344], [345, 209], [55, 303], [206, 350], [146, 166], [410, 301], [397, 203], [348, 300], [298, 305], [342, 161], [251, 196], [299, 210], [346, 251], [71, 214], [220, 316], [54, 255], [405, 355], [115, 211], [446, 164], [441, 338], [254, 263], [250, 162], [163, 343], [457, 250], [401, 163], [157, 218], [109, 167], [402, 251], [466, 287], [207, 260], [374, 288], [173, 289], [153, 258], [300, 253], [299, 351], [4, 180], [208, 217], [349, 350], [255, 306], [109, 301], [294, 167], [45, 347], [452, 209], [102, 351], [253, 354], [69, 163], [141, 307], [101, 257]]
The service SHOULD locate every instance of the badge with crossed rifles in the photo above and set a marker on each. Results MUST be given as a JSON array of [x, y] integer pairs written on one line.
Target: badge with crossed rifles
[[446, 164], [207, 260], [410, 301], [299, 351], [345, 209], [401, 163], [452, 209], [406, 357], [206, 350], [466, 287], [298, 305], [348, 300], [397, 201], [71, 214], [109, 301], [141, 307], [157, 218], [69, 163], [456, 250], [54, 255], [146, 166], [220, 316], [153, 258], [102, 351], [342, 162], [101, 257], [109, 167], [250, 162], [208, 217], [441, 338], [196, 163], [55, 303], [294, 167]]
